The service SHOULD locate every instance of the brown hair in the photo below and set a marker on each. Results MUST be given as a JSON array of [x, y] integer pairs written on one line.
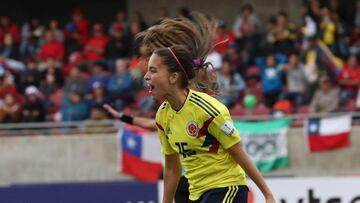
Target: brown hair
[[196, 40]]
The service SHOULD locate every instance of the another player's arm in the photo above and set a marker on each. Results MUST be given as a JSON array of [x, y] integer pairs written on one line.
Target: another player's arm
[[134, 120], [240, 157], [172, 173]]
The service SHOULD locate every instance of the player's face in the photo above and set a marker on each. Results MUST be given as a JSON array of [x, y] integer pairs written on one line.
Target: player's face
[[157, 77]]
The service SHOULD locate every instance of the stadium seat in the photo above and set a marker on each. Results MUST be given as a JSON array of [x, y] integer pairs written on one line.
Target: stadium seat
[[260, 110], [237, 110]]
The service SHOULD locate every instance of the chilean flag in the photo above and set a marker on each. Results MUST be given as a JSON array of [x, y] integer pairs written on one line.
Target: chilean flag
[[328, 133], [140, 155]]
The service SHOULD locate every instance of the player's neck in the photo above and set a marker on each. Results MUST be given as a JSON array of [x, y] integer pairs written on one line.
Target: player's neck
[[177, 98]]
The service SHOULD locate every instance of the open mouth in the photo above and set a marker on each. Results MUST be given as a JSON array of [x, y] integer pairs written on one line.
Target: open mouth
[[151, 88]]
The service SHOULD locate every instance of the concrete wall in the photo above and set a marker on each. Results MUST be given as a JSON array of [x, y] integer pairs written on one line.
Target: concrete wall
[[94, 158], [335, 162], [59, 159], [224, 9]]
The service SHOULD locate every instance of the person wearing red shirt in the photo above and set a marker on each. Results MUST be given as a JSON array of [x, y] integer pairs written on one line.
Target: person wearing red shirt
[[95, 47], [349, 79], [5, 86], [223, 38], [76, 32], [6, 26], [51, 48]]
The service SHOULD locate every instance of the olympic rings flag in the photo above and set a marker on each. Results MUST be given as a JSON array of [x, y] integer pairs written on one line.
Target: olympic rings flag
[[265, 142]]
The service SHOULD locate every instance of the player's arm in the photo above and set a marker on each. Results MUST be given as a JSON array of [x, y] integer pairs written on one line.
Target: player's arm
[[172, 173], [240, 157], [223, 129], [133, 120]]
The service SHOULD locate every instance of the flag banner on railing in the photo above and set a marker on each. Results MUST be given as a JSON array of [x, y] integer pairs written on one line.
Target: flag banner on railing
[[140, 154], [265, 142], [328, 133]]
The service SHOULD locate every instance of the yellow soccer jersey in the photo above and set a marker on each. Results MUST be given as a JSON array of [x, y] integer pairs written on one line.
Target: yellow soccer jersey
[[200, 132]]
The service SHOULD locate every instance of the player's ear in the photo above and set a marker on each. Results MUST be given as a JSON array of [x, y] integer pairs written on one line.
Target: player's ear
[[174, 77]]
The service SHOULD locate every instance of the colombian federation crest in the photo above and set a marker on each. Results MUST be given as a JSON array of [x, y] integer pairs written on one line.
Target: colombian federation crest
[[192, 128]]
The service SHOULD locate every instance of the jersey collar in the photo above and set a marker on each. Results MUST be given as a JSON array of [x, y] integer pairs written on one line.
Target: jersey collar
[[186, 100]]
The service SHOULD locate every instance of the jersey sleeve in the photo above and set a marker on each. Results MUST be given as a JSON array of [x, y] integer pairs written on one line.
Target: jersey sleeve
[[166, 149], [222, 128]]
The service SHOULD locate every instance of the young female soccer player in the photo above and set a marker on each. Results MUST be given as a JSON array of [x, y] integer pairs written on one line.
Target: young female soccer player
[[193, 124], [199, 128], [171, 32]]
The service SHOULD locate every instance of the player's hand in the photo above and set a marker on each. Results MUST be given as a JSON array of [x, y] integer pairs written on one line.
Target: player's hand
[[112, 111]]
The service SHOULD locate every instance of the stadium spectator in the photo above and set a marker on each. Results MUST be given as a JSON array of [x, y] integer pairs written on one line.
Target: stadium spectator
[[328, 28], [98, 74], [74, 107], [48, 88], [349, 79], [7, 26], [354, 41], [138, 18], [120, 19], [6, 85], [9, 110], [121, 84], [223, 38], [51, 48], [118, 45], [283, 36], [98, 96], [76, 32], [30, 77], [33, 109], [233, 57], [271, 80], [8, 49], [54, 27], [230, 84], [309, 28], [95, 48], [75, 81], [326, 98], [295, 81], [50, 67], [310, 59], [135, 28], [245, 27], [31, 34]]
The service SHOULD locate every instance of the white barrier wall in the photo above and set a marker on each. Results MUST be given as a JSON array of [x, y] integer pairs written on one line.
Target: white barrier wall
[[94, 158]]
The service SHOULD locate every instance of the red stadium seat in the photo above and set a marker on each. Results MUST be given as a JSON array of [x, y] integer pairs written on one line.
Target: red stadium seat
[[237, 110], [261, 109]]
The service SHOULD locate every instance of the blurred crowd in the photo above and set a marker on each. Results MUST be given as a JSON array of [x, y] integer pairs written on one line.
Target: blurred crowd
[[50, 72]]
